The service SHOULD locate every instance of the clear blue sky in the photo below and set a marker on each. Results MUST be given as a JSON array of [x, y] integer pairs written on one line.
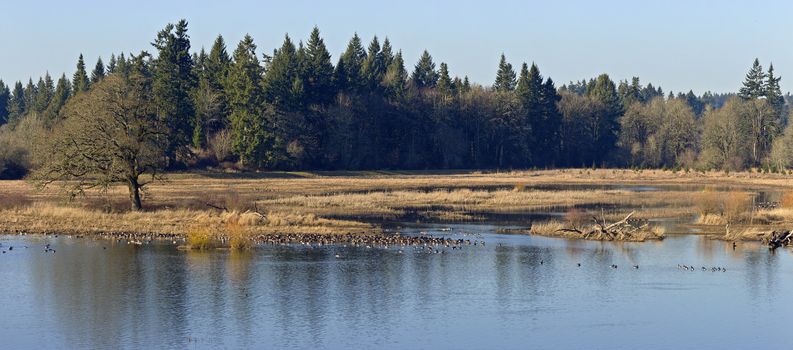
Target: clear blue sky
[[681, 45]]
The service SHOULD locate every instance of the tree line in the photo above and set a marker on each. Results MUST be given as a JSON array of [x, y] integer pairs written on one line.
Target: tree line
[[293, 108]]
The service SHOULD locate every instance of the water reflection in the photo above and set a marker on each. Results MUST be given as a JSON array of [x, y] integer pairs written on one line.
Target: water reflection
[[516, 292]]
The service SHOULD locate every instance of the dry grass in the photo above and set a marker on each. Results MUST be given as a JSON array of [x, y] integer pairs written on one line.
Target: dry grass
[[345, 201]]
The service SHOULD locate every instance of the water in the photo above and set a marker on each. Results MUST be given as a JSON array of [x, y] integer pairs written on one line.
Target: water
[[96, 294]]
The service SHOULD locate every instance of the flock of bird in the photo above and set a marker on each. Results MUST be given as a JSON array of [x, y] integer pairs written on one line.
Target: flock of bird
[[423, 243], [692, 268]]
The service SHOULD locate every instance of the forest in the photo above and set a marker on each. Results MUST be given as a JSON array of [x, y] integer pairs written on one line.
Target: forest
[[293, 109]]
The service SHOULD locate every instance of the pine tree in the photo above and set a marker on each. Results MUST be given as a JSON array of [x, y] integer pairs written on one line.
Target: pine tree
[[445, 85], [17, 107], [280, 76], [122, 67], [173, 82], [549, 131], [373, 68], [31, 96], [424, 75], [5, 100], [606, 129], [216, 68], [250, 139], [46, 89], [530, 92], [505, 78], [754, 84], [319, 70], [62, 92], [395, 80], [350, 79], [80, 80], [111, 64], [466, 84], [773, 92], [99, 71], [388, 53]]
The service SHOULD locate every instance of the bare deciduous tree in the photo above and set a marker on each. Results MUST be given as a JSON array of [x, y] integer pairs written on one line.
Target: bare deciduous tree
[[109, 135]]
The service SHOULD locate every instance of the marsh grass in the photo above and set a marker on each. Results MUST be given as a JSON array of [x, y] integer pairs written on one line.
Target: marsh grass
[[340, 202]]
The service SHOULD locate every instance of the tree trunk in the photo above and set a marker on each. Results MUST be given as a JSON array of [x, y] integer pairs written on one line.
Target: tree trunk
[[134, 194]]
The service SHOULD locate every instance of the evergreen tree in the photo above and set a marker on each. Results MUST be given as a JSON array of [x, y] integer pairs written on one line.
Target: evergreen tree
[[319, 71], [505, 78], [46, 89], [111, 64], [754, 84], [63, 91], [281, 75], [31, 96], [424, 75], [5, 100], [99, 71], [695, 103], [250, 138], [773, 92], [549, 131], [173, 82], [388, 53], [606, 126], [80, 80], [122, 66], [216, 67], [445, 85], [395, 80], [374, 67], [351, 61], [466, 84], [17, 107], [530, 92]]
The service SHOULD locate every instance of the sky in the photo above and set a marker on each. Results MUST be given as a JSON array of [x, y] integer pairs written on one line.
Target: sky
[[680, 45]]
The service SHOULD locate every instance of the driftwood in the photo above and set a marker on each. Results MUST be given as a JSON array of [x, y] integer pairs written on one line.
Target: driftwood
[[778, 239], [621, 230]]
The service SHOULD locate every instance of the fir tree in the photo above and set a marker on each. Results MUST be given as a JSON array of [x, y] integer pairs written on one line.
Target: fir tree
[[17, 107], [374, 67], [63, 91], [395, 80], [172, 85], [606, 129], [773, 92], [250, 139], [351, 60], [45, 89], [754, 84], [5, 100], [111, 64], [445, 85], [31, 96], [280, 76], [80, 80], [505, 78], [319, 70], [388, 53], [99, 71], [216, 68], [424, 75]]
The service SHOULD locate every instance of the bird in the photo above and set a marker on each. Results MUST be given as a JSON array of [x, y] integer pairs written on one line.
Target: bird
[[579, 264], [636, 267]]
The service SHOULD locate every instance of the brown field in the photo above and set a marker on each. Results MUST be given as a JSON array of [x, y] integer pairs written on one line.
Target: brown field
[[357, 202]]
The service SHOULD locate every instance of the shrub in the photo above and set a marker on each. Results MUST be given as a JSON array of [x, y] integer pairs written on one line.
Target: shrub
[[200, 237], [787, 200]]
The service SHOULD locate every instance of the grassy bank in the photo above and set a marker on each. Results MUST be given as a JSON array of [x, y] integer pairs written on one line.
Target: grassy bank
[[354, 202]]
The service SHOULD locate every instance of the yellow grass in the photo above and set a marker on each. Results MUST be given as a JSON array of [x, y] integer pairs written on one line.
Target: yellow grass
[[346, 201]]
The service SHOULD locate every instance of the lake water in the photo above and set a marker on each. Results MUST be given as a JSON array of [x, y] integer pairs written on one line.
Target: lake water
[[516, 292]]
